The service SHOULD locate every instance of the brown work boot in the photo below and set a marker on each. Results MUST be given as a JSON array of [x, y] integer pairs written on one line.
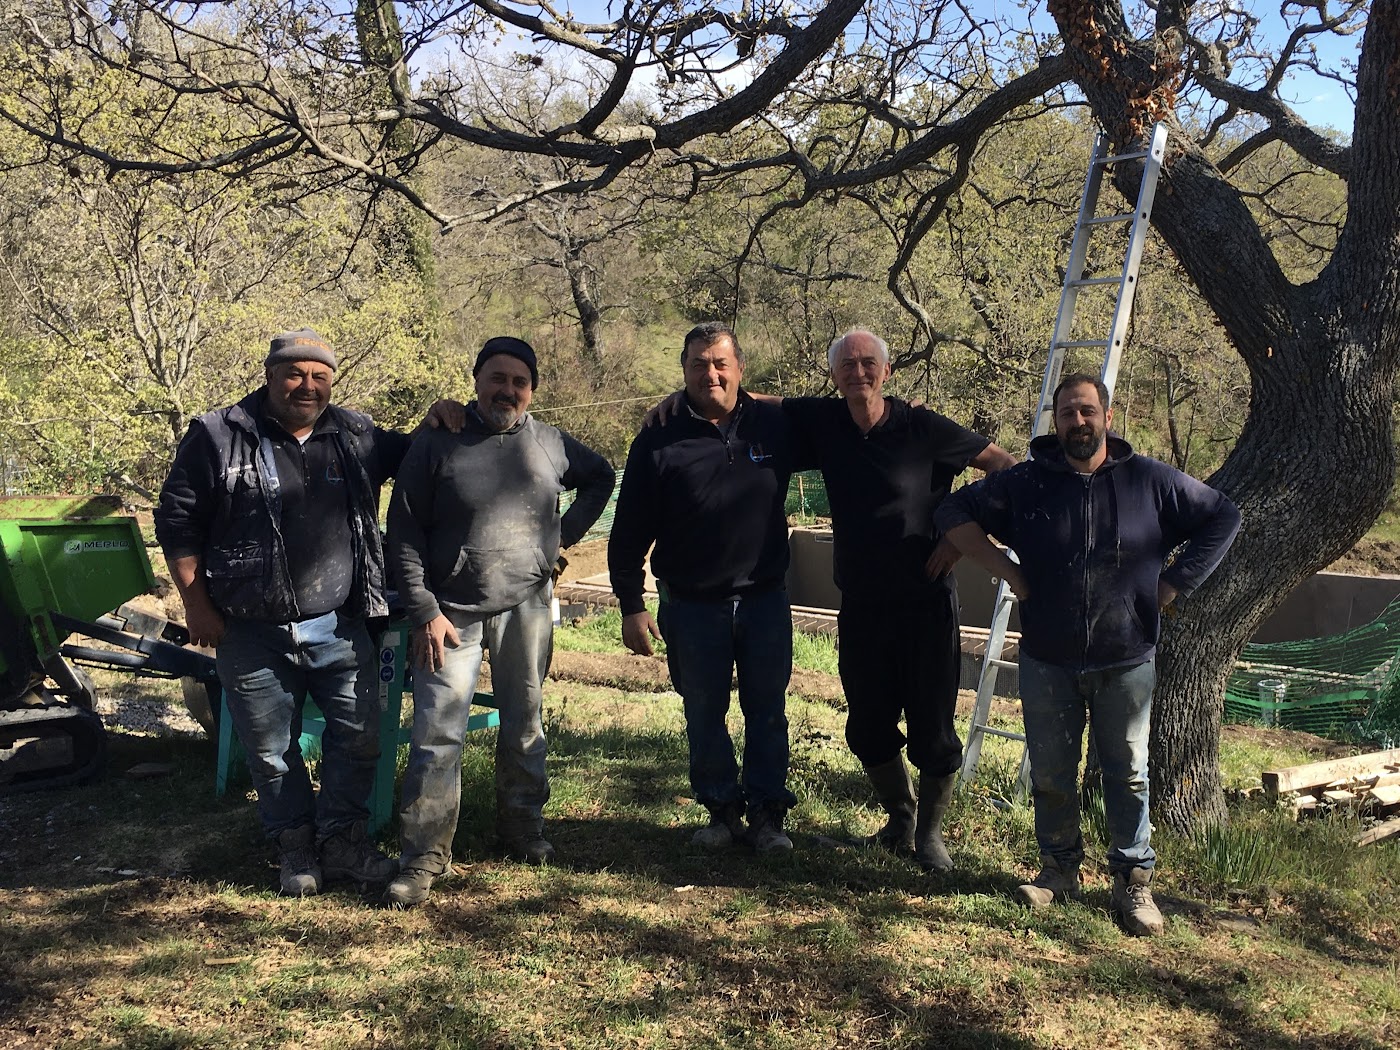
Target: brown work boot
[[895, 790], [766, 833], [1132, 902], [296, 856], [1052, 884], [935, 796], [347, 855], [725, 829], [409, 889]]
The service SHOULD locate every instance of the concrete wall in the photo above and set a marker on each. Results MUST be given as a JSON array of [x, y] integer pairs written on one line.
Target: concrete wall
[[1325, 604]]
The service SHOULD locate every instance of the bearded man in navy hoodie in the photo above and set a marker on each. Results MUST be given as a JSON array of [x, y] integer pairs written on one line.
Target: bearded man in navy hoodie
[[1093, 525]]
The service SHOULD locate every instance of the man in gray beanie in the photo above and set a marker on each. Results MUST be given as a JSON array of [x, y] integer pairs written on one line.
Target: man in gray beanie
[[269, 523]]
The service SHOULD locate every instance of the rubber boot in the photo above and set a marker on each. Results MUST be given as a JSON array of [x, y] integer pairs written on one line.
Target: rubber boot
[[895, 790], [935, 796]]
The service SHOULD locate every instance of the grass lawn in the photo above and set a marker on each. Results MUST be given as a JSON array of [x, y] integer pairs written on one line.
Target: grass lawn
[[142, 914]]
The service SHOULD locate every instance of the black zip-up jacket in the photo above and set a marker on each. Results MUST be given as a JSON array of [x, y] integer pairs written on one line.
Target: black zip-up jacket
[[712, 500], [221, 501], [1093, 548]]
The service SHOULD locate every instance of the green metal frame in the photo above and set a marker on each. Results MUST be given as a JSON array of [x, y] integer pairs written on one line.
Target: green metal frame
[[64, 554]]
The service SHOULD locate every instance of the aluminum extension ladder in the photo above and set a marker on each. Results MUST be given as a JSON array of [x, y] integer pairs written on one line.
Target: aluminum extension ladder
[[1061, 342]]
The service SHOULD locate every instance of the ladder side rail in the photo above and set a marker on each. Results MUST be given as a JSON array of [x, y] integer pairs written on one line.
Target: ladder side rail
[[987, 678], [1137, 241]]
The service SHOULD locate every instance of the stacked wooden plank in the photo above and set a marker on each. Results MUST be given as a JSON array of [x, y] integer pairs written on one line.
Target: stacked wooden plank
[[1368, 785]]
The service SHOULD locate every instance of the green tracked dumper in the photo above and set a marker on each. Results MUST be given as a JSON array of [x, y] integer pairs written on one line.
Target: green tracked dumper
[[68, 560]]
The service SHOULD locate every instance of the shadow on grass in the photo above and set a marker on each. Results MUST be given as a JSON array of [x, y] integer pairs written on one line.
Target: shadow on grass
[[650, 929]]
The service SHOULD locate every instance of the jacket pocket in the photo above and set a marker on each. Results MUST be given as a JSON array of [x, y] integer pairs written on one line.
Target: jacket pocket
[[1119, 631], [235, 562], [494, 579]]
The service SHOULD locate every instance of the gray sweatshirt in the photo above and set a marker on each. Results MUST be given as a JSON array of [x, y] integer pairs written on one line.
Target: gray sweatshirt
[[474, 522]]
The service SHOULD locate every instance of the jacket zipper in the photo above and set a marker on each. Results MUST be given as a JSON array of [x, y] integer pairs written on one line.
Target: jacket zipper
[[1088, 503]]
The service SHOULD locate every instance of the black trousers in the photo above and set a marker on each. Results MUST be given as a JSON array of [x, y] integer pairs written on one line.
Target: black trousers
[[897, 659]]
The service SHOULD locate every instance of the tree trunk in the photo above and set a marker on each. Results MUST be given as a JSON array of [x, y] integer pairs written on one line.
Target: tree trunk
[[589, 318]]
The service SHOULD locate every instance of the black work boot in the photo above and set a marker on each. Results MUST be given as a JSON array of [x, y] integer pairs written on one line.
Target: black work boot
[[348, 855], [935, 796], [895, 790], [300, 874]]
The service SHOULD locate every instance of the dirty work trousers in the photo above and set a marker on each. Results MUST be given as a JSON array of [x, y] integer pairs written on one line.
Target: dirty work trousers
[[519, 641], [1118, 704], [902, 658], [268, 670]]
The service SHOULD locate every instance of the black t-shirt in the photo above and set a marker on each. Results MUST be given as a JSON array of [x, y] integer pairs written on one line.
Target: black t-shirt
[[884, 487], [315, 515]]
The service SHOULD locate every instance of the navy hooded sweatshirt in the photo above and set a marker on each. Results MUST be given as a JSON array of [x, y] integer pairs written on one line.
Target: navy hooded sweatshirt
[[1093, 547]]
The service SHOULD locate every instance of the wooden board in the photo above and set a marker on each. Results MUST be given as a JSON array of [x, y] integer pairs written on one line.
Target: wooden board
[[1315, 774], [1386, 794], [1379, 832]]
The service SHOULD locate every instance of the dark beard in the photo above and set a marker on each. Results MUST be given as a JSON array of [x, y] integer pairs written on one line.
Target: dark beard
[[1082, 443]]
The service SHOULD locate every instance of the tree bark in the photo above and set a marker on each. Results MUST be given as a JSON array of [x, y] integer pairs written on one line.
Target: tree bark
[[590, 318]]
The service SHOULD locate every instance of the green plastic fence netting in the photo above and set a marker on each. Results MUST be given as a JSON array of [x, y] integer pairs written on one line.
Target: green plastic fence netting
[[1342, 685], [806, 498]]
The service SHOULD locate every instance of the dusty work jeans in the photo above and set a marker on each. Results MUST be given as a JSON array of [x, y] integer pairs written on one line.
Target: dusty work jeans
[[705, 642], [267, 671], [1118, 702], [519, 641]]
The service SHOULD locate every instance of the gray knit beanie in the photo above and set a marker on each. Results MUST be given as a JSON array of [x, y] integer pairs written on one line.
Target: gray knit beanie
[[304, 344]]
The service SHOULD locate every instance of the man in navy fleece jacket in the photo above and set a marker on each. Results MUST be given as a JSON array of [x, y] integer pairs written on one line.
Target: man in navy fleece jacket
[[1093, 525]]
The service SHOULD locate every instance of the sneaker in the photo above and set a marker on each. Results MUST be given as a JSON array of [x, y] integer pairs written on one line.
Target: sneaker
[[726, 828], [1132, 903], [348, 855], [296, 856], [766, 830], [531, 849], [409, 888], [1052, 884]]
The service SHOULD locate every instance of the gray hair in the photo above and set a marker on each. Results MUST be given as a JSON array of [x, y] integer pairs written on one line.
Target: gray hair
[[838, 344]]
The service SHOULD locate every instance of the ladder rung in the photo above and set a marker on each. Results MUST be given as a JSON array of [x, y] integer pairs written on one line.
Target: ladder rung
[[1003, 663], [1003, 733], [1127, 216], [1105, 161], [1075, 344], [1085, 282]]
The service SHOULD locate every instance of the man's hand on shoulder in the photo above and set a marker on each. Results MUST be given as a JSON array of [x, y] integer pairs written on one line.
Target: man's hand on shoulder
[[431, 641], [446, 414], [638, 630], [668, 409]]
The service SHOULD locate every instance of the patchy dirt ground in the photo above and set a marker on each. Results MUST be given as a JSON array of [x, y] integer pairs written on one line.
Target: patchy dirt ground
[[1370, 557]]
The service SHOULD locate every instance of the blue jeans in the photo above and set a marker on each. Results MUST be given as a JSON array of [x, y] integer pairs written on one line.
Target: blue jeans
[[1118, 702], [705, 642], [267, 671], [520, 641]]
